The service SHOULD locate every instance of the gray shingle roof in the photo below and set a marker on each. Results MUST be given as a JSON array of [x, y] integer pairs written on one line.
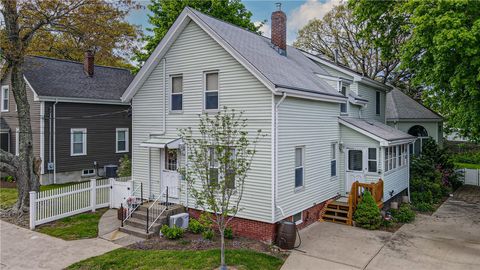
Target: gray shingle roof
[[294, 71], [378, 129], [61, 78], [400, 106]]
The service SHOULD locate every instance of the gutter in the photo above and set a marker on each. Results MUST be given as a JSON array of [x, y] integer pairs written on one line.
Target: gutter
[[275, 171]]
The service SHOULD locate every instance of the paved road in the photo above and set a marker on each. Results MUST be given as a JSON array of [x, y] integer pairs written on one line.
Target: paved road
[[25, 249], [449, 239]]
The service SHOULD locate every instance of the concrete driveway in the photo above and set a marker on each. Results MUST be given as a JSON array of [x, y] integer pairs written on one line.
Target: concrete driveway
[[449, 239], [24, 249]]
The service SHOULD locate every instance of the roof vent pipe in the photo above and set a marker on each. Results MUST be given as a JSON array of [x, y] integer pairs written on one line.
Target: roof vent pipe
[[279, 30]]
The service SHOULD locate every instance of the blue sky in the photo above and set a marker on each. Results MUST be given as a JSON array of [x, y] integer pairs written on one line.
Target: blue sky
[[298, 13]]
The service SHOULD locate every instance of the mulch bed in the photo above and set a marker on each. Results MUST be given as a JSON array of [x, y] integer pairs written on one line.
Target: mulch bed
[[192, 241], [5, 184]]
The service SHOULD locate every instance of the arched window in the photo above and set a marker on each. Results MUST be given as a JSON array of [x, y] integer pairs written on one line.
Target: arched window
[[421, 133]]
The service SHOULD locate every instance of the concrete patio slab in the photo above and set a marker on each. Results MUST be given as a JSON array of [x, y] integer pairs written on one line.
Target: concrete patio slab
[[25, 249]]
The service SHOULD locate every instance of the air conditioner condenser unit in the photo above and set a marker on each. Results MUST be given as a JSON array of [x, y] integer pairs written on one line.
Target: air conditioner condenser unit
[[179, 220]]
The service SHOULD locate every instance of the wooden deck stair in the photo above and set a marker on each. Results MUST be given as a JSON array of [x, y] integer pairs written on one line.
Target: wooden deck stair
[[341, 210]]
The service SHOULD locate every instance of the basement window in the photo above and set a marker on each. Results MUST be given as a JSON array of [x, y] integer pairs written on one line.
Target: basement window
[[88, 172], [298, 218]]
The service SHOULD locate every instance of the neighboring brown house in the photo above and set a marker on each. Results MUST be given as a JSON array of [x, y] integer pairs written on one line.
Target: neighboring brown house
[[79, 123]]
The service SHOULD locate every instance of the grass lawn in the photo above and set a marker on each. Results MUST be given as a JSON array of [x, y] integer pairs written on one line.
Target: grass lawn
[[76, 227], [124, 258], [8, 196], [467, 165]]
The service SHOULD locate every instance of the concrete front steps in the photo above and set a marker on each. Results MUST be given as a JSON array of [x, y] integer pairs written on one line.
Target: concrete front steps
[[136, 224]]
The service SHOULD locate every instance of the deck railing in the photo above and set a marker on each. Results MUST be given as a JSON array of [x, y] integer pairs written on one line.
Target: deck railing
[[356, 193]]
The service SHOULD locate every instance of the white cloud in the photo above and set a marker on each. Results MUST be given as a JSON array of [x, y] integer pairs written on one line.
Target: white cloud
[[265, 28], [301, 15]]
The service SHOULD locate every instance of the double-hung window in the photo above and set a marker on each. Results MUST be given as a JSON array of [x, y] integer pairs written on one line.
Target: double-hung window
[[177, 93], [299, 166], [343, 106], [377, 103], [333, 162], [5, 98], [213, 167], [122, 140], [372, 159], [78, 142], [211, 91]]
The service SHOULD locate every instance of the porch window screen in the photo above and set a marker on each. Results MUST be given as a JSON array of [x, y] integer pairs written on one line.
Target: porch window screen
[[211, 91], [333, 162], [177, 93], [372, 159], [355, 160], [299, 173]]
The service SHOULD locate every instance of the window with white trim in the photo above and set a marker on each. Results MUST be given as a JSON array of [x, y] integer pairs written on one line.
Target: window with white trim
[[372, 159], [298, 218], [5, 98], [396, 157], [121, 140], [211, 91], [88, 172], [177, 93], [343, 106], [78, 141], [377, 103], [299, 166], [213, 167], [17, 142], [333, 162]]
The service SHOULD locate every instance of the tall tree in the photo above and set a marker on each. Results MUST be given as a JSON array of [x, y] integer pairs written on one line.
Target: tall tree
[[338, 32], [442, 53], [220, 154], [165, 12], [24, 21]]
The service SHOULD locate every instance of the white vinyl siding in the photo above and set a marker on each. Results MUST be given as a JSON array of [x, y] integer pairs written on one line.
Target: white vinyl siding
[[78, 141], [369, 93], [5, 96], [121, 145], [313, 125], [191, 55]]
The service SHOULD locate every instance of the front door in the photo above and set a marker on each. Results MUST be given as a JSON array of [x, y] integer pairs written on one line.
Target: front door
[[170, 176], [355, 166]]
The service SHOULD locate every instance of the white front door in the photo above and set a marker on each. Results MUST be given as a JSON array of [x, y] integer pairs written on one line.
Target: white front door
[[355, 166], [170, 176]]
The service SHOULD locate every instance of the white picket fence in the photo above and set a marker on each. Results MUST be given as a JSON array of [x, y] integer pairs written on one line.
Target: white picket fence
[[471, 176], [50, 205]]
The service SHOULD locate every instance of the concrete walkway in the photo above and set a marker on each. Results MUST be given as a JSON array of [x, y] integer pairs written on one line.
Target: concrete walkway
[[449, 239], [108, 229], [25, 249]]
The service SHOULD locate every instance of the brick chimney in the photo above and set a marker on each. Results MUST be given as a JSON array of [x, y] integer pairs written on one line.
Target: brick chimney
[[88, 63], [279, 30]]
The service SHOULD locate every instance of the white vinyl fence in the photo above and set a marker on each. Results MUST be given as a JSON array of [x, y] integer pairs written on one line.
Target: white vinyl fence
[[50, 205], [471, 176]]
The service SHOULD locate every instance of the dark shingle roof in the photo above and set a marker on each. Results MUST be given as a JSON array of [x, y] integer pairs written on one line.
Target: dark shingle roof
[[293, 71], [400, 106], [377, 128], [61, 78]]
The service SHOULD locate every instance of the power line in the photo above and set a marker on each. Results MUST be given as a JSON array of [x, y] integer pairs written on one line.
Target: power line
[[73, 117]]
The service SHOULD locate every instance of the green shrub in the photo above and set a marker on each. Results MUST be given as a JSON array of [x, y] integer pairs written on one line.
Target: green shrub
[[228, 233], [208, 234], [125, 168], [205, 220], [367, 214], [404, 214], [194, 226], [423, 207], [9, 179], [172, 232], [387, 223]]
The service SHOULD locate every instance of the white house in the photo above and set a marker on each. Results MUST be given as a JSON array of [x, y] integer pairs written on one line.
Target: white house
[[325, 128]]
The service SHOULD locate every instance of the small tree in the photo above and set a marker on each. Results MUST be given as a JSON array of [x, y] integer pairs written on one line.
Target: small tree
[[125, 168], [367, 214], [219, 155]]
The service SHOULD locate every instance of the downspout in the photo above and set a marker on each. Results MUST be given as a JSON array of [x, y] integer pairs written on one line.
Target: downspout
[[50, 115], [54, 142], [275, 178]]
